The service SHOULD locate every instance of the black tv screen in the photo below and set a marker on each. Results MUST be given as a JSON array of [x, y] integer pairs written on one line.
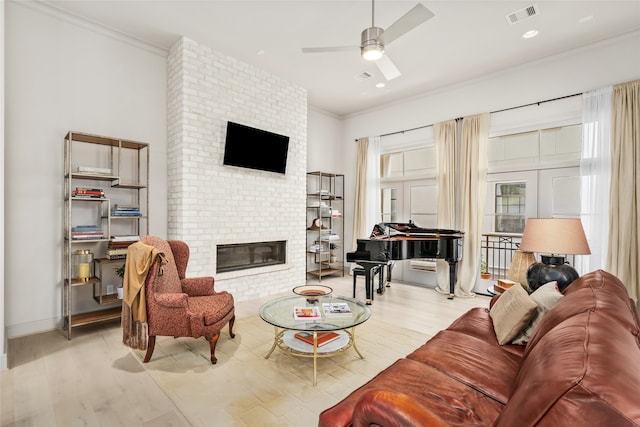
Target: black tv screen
[[253, 148]]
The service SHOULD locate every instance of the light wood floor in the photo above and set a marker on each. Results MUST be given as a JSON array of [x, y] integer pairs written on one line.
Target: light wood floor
[[94, 380]]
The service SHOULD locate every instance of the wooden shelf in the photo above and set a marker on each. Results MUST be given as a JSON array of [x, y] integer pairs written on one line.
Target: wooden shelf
[[95, 316], [325, 272], [107, 299], [77, 282], [132, 186], [93, 176]]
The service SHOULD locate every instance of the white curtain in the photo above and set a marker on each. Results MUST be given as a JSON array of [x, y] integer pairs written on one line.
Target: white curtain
[[595, 171], [367, 210], [446, 176], [473, 176], [624, 232], [462, 181]]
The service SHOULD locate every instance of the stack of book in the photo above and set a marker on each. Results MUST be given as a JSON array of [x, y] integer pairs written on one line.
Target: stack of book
[[86, 232], [125, 210], [503, 285], [88, 193], [323, 337], [117, 248]]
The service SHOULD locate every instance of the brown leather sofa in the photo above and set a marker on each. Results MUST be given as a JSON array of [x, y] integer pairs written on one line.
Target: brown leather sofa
[[581, 367]]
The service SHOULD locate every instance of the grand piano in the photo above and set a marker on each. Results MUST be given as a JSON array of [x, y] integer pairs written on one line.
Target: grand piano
[[401, 241]]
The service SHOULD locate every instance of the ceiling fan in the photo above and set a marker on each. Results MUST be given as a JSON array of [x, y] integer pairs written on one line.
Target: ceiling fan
[[374, 39]]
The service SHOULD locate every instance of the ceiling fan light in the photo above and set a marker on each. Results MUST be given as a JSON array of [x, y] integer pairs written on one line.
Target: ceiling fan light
[[371, 46], [372, 53]]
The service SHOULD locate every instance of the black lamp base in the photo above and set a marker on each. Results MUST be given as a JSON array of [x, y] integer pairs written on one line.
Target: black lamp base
[[552, 268]]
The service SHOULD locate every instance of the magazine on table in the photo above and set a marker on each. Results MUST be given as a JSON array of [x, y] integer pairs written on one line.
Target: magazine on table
[[336, 309], [306, 313]]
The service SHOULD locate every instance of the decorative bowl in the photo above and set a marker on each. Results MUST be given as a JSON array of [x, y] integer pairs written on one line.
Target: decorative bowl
[[312, 292]]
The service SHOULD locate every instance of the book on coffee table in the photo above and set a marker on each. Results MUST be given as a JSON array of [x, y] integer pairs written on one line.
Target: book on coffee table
[[307, 313], [323, 337]]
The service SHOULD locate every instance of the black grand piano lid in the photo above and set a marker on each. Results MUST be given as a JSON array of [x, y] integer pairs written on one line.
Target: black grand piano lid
[[390, 229]]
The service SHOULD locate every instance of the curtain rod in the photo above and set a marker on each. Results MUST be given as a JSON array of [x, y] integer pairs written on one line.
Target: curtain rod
[[492, 112]]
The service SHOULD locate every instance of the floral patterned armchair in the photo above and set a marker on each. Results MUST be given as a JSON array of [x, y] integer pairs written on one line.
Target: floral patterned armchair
[[183, 307]]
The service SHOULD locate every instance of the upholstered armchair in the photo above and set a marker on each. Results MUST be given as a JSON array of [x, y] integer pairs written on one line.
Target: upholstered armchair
[[183, 307]]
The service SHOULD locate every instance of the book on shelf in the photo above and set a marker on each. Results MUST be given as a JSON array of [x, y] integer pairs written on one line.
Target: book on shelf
[[88, 192], [329, 237], [336, 309], [87, 236], [94, 170], [307, 313], [323, 337], [122, 211], [120, 251], [125, 238]]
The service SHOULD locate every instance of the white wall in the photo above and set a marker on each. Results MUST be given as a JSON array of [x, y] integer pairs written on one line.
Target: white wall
[[63, 75], [3, 340], [324, 143], [592, 67]]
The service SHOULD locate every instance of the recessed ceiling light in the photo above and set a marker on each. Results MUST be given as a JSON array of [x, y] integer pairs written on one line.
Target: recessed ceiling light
[[380, 85], [530, 34], [260, 52]]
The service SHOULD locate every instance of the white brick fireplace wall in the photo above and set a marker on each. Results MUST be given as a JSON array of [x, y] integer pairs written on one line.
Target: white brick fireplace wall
[[211, 204]]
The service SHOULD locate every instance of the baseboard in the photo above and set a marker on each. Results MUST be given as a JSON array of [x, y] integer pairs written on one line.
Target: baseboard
[[31, 328]]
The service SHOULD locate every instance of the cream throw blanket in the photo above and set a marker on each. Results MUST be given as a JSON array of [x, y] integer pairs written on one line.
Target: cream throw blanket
[[140, 257]]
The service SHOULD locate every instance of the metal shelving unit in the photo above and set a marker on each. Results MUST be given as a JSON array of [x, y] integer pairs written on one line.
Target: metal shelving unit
[[325, 224], [91, 161]]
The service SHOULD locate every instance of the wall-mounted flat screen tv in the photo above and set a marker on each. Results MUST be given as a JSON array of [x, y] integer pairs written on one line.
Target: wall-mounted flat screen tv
[[253, 148]]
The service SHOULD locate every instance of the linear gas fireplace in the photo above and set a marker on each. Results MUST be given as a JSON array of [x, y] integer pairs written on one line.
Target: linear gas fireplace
[[241, 256]]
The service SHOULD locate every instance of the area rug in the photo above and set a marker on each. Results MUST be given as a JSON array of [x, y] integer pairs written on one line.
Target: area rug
[[245, 389]]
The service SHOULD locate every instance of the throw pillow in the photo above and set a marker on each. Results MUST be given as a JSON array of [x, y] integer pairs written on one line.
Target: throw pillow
[[512, 313], [546, 297]]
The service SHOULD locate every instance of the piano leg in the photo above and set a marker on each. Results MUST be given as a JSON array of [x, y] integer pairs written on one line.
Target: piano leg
[[368, 284], [380, 279], [452, 278]]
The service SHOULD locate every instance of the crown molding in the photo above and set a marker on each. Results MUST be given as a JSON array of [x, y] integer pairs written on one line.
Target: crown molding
[[93, 26]]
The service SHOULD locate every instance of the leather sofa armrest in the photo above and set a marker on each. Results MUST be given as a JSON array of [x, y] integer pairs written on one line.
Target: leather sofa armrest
[[197, 286], [493, 300], [390, 409], [171, 300]]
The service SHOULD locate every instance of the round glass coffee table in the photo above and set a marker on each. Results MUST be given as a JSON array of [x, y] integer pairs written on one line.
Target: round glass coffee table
[[347, 314]]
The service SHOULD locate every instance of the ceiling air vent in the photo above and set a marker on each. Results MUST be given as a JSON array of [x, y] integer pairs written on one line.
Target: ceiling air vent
[[522, 14], [362, 76]]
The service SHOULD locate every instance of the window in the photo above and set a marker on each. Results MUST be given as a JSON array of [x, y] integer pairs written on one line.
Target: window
[[510, 207], [389, 209]]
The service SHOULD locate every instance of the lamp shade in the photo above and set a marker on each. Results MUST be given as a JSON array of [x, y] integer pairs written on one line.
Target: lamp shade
[[554, 236], [558, 237]]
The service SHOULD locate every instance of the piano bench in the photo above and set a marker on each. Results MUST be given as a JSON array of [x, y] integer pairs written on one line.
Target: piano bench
[[359, 271]]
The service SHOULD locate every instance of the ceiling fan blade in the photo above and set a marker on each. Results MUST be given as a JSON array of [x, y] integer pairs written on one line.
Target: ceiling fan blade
[[407, 22], [387, 68], [329, 49]]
